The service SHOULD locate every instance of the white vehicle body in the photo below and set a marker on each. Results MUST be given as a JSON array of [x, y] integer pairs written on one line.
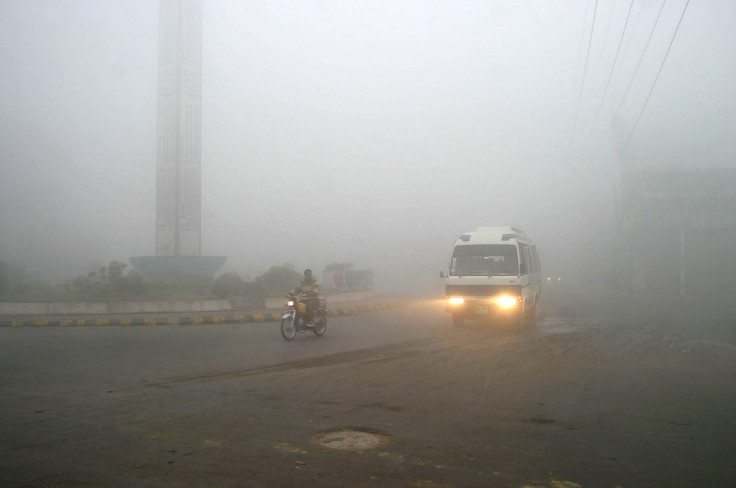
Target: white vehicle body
[[493, 272]]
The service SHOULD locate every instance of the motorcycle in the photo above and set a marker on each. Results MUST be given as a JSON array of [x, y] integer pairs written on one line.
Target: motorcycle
[[293, 320]]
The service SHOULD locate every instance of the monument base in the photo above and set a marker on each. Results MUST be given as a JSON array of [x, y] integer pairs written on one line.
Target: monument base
[[162, 267]]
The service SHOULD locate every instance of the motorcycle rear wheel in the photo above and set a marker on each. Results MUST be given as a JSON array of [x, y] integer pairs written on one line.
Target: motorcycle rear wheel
[[320, 325], [288, 328]]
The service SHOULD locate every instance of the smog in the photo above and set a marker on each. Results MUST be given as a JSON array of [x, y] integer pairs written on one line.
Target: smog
[[371, 134], [521, 218]]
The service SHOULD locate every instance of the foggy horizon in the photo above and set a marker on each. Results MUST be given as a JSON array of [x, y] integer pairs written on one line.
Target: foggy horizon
[[372, 134]]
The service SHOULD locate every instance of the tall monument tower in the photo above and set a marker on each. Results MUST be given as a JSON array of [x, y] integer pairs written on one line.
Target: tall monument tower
[[178, 160], [178, 155]]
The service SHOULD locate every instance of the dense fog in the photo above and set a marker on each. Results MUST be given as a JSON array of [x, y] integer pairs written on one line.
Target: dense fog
[[365, 132]]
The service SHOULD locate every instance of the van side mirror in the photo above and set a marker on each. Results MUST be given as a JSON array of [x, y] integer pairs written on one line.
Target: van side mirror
[[522, 269], [442, 274]]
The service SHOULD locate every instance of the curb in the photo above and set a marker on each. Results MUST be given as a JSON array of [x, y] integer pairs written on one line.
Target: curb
[[192, 320]]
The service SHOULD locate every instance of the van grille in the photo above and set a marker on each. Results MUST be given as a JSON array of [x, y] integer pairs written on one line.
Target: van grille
[[482, 290]]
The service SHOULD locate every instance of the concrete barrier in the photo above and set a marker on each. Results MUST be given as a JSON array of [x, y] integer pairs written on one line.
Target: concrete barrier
[[101, 308], [194, 319], [155, 306], [24, 308], [278, 303]]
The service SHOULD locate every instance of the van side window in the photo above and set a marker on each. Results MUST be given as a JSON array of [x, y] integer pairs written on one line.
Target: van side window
[[523, 255], [533, 259]]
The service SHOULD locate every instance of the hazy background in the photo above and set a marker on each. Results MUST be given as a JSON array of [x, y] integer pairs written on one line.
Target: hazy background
[[363, 132]]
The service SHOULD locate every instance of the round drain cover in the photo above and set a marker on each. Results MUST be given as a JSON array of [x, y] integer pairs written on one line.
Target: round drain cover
[[351, 439]]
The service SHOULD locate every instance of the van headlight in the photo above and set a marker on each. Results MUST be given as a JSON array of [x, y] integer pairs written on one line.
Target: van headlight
[[456, 300], [507, 301]]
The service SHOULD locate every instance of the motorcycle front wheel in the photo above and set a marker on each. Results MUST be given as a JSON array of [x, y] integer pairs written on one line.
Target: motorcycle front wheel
[[288, 330], [320, 325]]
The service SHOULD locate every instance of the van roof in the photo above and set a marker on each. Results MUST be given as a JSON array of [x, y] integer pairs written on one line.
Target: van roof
[[505, 229], [488, 235]]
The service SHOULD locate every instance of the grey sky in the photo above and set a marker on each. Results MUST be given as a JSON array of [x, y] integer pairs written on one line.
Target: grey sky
[[369, 132]]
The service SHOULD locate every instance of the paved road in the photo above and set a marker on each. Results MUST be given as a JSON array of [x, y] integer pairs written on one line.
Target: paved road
[[104, 357], [566, 403]]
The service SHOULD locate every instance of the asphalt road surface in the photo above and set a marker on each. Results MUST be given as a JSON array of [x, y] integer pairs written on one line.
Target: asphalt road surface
[[392, 398]]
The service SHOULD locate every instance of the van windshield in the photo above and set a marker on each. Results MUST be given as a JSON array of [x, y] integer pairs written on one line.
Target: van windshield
[[484, 259]]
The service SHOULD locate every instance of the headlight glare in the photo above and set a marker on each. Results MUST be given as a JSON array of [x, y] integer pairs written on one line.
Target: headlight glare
[[456, 300], [506, 301]]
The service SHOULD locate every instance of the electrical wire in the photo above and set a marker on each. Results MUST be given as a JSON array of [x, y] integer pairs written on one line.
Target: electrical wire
[[634, 29], [582, 30], [633, 76], [641, 58], [582, 83], [610, 75], [636, 124], [605, 39]]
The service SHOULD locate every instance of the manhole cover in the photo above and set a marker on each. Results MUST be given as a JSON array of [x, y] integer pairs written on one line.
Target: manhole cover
[[351, 439]]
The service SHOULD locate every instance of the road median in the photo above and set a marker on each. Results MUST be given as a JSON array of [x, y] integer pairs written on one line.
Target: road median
[[216, 317]]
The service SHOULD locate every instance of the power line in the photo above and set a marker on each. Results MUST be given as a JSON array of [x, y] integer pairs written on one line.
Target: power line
[[636, 124], [582, 30], [605, 39], [633, 29], [582, 83], [610, 75], [641, 58]]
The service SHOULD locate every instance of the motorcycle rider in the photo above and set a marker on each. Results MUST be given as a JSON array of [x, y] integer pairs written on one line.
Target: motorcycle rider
[[310, 289]]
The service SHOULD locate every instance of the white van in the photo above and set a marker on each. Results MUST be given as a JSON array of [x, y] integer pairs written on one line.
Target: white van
[[493, 272]]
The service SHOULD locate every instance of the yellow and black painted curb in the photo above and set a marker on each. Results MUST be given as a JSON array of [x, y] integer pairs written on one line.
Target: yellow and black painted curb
[[190, 320]]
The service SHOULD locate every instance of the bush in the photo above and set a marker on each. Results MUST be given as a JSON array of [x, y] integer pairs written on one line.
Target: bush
[[251, 289], [136, 283], [228, 284], [116, 276], [278, 280], [112, 281], [187, 285]]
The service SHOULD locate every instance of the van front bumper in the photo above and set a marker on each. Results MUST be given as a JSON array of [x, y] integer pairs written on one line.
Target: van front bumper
[[503, 305]]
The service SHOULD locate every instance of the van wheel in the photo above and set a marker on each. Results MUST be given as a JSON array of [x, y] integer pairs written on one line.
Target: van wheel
[[457, 320]]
